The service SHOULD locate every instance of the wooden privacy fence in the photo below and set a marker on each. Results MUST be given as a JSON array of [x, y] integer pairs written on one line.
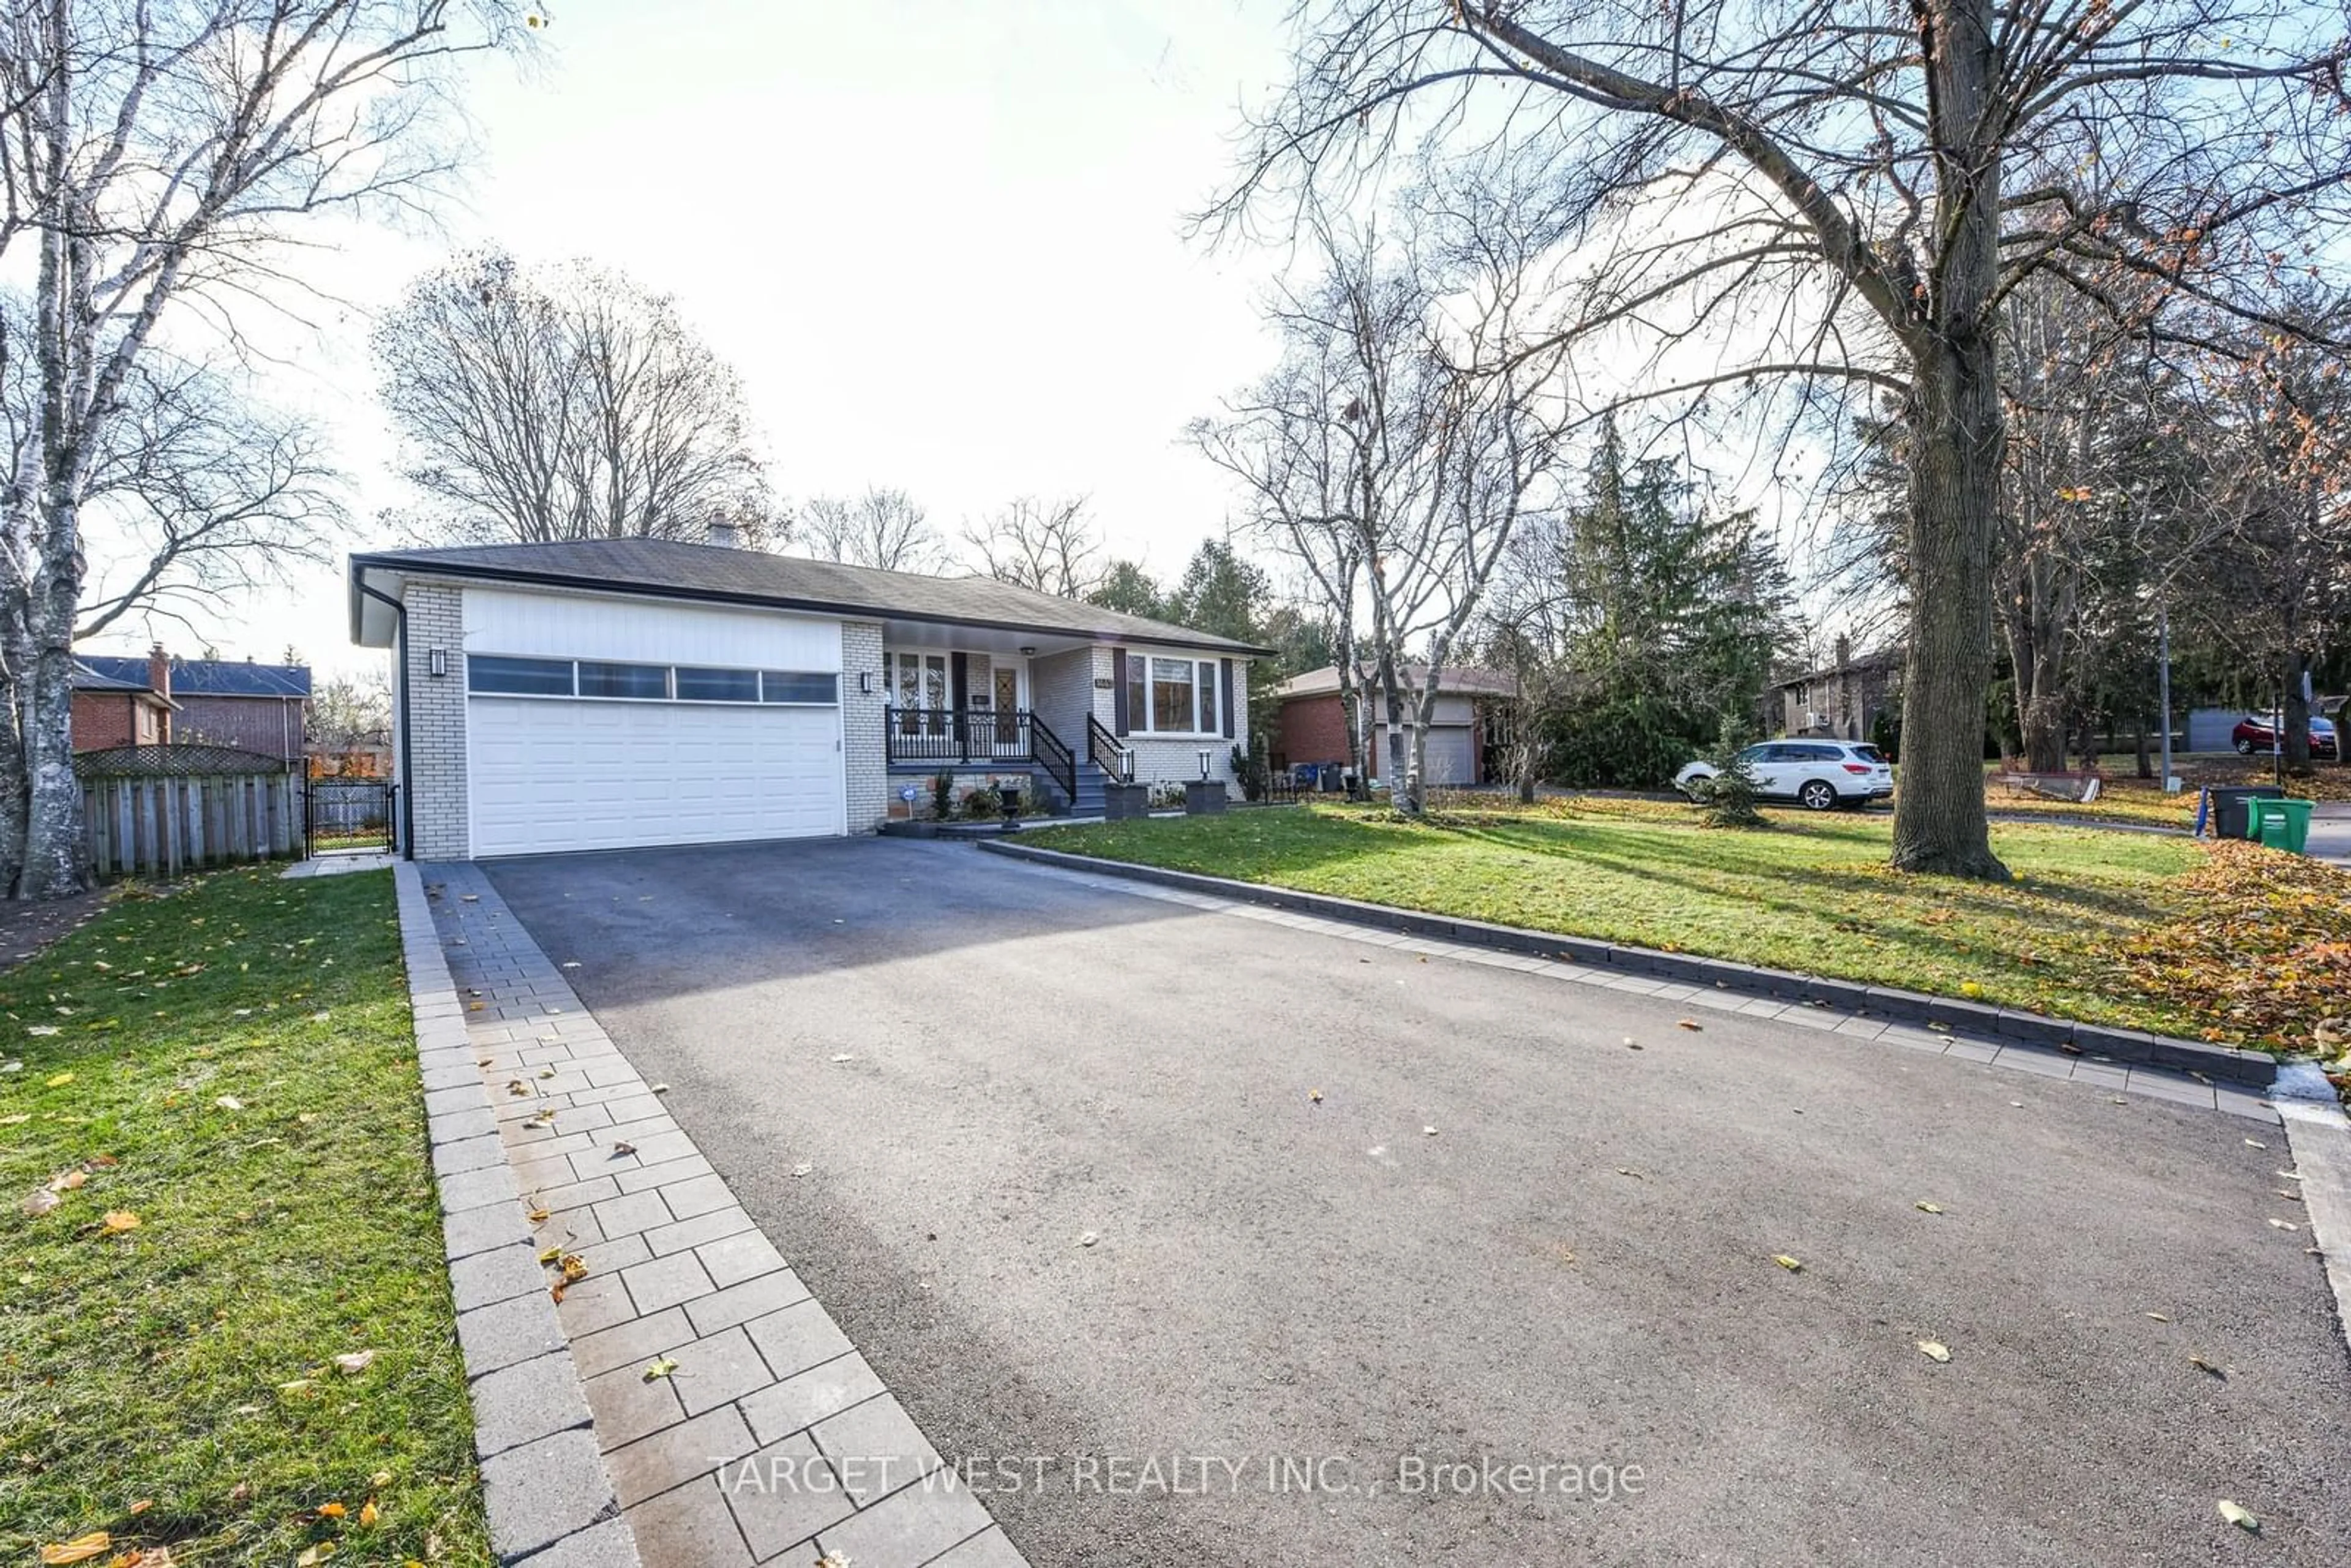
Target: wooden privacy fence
[[161, 810]]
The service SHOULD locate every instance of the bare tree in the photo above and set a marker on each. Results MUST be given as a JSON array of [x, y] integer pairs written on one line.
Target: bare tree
[[154, 153], [352, 713], [1850, 195], [1392, 453], [1051, 546], [194, 492], [562, 404], [881, 527]]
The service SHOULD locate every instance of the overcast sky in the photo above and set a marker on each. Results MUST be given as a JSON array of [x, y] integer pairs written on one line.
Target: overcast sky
[[943, 242]]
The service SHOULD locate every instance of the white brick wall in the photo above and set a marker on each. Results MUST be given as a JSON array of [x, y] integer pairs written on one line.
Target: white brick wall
[[864, 758], [1177, 761], [437, 721], [1061, 691]]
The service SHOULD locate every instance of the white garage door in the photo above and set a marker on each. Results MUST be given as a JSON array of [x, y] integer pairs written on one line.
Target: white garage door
[[547, 776]]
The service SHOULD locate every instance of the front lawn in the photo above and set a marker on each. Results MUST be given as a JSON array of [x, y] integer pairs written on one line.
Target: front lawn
[[2103, 927], [231, 1336]]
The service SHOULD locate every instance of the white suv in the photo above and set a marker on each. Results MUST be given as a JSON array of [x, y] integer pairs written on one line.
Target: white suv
[[1818, 775]]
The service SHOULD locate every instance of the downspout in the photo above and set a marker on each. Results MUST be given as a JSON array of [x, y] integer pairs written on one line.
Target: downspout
[[407, 741]]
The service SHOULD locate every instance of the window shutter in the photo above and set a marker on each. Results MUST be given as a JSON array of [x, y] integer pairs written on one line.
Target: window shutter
[[1225, 694], [1118, 691]]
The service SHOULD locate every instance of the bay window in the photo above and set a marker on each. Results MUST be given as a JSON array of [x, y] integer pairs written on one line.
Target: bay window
[[1170, 696]]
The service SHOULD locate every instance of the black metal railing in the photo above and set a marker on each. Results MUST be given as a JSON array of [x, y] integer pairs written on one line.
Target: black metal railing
[[1104, 750], [1053, 757], [955, 734]]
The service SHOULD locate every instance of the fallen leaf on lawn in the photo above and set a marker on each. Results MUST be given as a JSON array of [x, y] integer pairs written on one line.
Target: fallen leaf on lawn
[[314, 1556], [15, 1121], [1934, 1350], [1794, 1266], [320, 1017], [67, 1181], [229, 1102], [44, 1029], [1088, 1239], [142, 1506], [117, 1220], [369, 1513], [1923, 1206], [2240, 1517], [381, 1479], [240, 1493], [661, 1366], [332, 1511], [299, 1385], [1690, 1024], [59, 1080], [354, 1362], [80, 1549]]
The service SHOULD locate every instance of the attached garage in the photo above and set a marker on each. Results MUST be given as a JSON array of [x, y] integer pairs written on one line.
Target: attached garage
[[552, 775], [594, 725]]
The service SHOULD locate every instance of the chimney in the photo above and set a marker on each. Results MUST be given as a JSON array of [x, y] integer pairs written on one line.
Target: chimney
[[725, 535], [159, 671]]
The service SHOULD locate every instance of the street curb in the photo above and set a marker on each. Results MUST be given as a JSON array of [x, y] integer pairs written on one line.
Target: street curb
[[2320, 1139], [548, 1501], [2127, 1045]]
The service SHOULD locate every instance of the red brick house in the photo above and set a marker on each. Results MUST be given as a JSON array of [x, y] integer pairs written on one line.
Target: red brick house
[[1312, 726], [162, 700]]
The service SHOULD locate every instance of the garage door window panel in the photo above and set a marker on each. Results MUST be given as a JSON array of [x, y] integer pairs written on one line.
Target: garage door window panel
[[645, 683], [699, 685], [805, 687], [494, 673]]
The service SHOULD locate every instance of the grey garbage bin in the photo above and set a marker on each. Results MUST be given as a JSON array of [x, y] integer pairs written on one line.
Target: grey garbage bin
[[2231, 817]]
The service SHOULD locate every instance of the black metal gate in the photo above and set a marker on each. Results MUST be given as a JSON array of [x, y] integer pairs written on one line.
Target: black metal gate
[[343, 815]]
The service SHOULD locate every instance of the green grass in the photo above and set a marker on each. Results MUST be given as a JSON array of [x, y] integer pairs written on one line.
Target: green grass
[[188, 1364], [1813, 894]]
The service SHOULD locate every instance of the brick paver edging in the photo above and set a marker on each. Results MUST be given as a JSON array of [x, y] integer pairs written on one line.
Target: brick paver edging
[[2124, 1045], [737, 1422], [551, 1504]]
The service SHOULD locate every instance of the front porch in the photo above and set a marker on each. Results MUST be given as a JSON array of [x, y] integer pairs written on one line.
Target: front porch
[[927, 741]]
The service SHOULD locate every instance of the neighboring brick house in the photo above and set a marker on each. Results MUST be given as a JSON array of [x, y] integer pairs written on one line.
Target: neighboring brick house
[[121, 701], [162, 700], [1841, 701], [1461, 732]]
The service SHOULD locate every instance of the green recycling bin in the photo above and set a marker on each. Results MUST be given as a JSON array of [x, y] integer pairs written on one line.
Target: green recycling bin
[[2281, 824]]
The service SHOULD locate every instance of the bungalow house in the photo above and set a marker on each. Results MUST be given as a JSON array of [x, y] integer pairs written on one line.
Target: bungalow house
[[600, 694], [159, 700], [1462, 731]]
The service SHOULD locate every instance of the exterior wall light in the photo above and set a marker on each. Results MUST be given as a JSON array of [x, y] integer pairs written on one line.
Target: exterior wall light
[[437, 661]]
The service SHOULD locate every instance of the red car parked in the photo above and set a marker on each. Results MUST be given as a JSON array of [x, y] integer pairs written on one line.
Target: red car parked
[[2257, 733]]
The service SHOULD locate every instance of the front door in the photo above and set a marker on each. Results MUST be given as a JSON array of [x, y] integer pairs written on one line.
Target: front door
[[1008, 705]]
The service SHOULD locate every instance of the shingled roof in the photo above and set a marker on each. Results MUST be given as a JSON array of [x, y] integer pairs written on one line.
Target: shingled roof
[[673, 570], [194, 677]]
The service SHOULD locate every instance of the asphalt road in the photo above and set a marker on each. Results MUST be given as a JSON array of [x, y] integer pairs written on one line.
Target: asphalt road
[[1574, 1271]]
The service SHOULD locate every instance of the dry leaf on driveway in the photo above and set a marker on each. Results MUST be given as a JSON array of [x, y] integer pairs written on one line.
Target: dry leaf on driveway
[[2240, 1517], [1934, 1350], [661, 1366], [1793, 1265]]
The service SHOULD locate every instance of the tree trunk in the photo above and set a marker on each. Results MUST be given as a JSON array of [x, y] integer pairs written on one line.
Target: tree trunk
[[2041, 721], [1954, 482], [53, 818], [2145, 764], [2295, 726]]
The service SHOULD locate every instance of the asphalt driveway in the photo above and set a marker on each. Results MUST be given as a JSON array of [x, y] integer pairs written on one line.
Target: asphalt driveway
[[1336, 1331]]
